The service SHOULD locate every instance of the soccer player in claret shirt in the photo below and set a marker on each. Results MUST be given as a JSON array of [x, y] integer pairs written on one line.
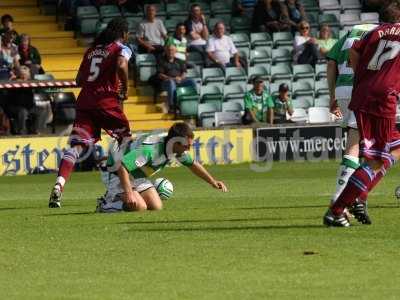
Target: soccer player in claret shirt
[[375, 59], [103, 77]]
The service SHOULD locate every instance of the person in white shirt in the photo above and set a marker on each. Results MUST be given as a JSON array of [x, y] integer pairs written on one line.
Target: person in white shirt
[[221, 50], [305, 46]]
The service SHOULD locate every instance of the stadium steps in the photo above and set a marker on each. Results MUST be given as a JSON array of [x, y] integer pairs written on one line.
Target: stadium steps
[[34, 19], [150, 125], [63, 74], [150, 117], [44, 44], [38, 27], [132, 109], [18, 3], [17, 11], [62, 51]]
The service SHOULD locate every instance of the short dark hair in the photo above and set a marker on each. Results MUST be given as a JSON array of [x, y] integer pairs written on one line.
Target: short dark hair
[[115, 30], [179, 24], [180, 129], [6, 17], [390, 13]]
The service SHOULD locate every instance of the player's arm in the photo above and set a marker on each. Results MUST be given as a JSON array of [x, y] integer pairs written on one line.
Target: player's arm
[[331, 74], [202, 173], [122, 71], [129, 197], [270, 116], [354, 58]]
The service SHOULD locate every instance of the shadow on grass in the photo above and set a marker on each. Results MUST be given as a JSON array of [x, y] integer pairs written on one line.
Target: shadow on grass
[[232, 228], [70, 214], [16, 208], [212, 220], [280, 207]]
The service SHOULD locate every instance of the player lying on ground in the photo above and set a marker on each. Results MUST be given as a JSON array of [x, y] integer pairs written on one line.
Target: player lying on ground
[[148, 154], [103, 77], [376, 63], [340, 81]]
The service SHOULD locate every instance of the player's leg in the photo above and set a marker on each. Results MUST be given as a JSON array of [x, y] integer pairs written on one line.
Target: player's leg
[[84, 135], [115, 123], [152, 199]]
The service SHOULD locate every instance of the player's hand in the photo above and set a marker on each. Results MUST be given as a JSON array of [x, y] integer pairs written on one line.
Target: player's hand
[[219, 185], [129, 200], [335, 109], [122, 95]]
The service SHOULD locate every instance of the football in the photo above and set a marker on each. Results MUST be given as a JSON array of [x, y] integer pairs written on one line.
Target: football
[[164, 188]]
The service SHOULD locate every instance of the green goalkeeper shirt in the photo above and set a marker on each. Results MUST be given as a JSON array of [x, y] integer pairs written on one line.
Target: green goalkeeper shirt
[[145, 156]]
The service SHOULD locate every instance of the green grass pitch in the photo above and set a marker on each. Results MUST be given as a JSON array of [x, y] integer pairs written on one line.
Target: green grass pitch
[[262, 240]]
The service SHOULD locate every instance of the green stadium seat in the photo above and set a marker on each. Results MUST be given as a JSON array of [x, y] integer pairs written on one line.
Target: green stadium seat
[[240, 39], [235, 74], [303, 71], [240, 24], [195, 74], [304, 102], [261, 70], [188, 101], [282, 72], [100, 26], [133, 23], [221, 8], [145, 66], [195, 58], [329, 19], [178, 9], [87, 12], [321, 88], [313, 18], [145, 60], [260, 39], [109, 11], [260, 56], [281, 55], [127, 14], [244, 52], [206, 114], [232, 106], [320, 71], [322, 101], [310, 5], [212, 75], [212, 93], [234, 90], [274, 87], [282, 39], [88, 25], [170, 24], [302, 88]]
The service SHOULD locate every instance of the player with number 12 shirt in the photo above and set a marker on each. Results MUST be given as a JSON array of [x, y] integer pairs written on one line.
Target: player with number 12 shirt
[[103, 77], [375, 59]]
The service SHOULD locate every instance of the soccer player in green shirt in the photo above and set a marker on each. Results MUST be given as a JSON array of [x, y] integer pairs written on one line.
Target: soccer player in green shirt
[[258, 104], [340, 81], [144, 157]]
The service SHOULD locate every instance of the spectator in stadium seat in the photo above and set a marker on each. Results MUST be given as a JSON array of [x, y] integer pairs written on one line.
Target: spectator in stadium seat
[[9, 57], [151, 33], [270, 16], [245, 7], [282, 105], [196, 27], [221, 50], [7, 26], [296, 13], [325, 40], [179, 41], [29, 55], [258, 104], [305, 46], [172, 73]]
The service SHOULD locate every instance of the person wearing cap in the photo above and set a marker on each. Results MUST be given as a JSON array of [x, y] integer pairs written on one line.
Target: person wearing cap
[[282, 104], [258, 104]]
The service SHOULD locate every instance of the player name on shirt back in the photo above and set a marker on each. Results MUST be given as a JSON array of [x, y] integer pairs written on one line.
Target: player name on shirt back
[[393, 30], [98, 52]]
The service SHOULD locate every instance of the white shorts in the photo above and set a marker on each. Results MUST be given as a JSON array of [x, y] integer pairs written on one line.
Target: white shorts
[[349, 118]]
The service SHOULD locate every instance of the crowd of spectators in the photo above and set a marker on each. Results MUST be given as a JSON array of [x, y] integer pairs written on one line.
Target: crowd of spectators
[[19, 61]]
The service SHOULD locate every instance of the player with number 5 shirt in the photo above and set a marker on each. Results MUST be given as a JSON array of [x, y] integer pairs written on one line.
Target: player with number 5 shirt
[[375, 59], [103, 78]]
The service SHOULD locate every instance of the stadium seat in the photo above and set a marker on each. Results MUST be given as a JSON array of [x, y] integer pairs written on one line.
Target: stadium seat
[[310, 5], [274, 88], [170, 25], [321, 88], [195, 58], [260, 56], [64, 108], [234, 91], [178, 9], [194, 73], [87, 12], [244, 53], [261, 70], [145, 66], [88, 25], [349, 19], [329, 6], [281, 72], [350, 4], [235, 74], [212, 93], [302, 88], [221, 8], [133, 23], [227, 118], [322, 101], [313, 18], [109, 11], [281, 55], [370, 18], [100, 26], [188, 101], [240, 39], [46, 76], [319, 115], [299, 115], [206, 114], [282, 39], [303, 102], [231, 107], [240, 24], [225, 19], [258, 39], [320, 71], [145, 60], [303, 71], [329, 19], [212, 75]]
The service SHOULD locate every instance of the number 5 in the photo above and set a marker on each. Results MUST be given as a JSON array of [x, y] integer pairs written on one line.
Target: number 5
[[386, 50], [94, 68]]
